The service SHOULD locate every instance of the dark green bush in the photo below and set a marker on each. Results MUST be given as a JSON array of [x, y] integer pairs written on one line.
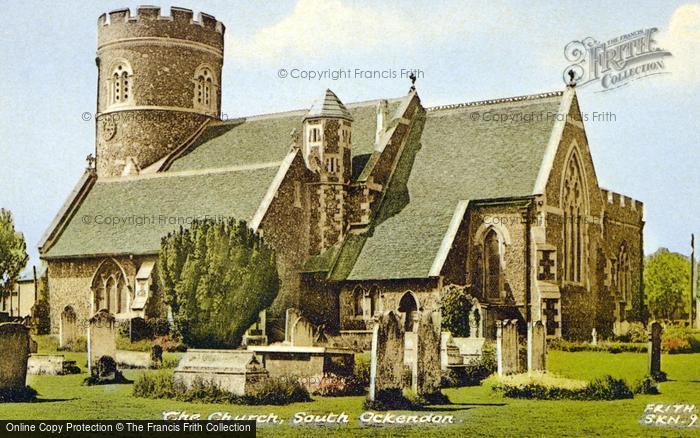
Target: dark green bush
[[158, 327], [646, 385], [216, 276], [267, 392], [25, 394]]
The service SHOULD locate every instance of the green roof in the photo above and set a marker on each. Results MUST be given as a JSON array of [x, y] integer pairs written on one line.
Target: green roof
[[267, 138], [149, 207], [328, 106], [453, 153]]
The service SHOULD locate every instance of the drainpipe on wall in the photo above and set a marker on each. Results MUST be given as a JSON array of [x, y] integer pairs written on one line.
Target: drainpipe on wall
[[528, 263]]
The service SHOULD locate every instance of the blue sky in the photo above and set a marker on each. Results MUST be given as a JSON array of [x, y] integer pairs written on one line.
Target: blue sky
[[466, 50]]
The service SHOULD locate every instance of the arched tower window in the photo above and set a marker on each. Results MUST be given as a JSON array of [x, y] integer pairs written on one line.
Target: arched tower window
[[493, 259], [121, 84], [573, 207], [204, 89]]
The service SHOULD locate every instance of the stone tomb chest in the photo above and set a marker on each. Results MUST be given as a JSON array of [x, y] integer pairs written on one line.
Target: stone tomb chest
[[235, 371], [309, 364]]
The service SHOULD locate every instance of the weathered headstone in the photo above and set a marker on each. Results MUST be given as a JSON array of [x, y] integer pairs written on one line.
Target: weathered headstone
[[536, 346], [449, 352], [426, 372], [655, 350], [302, 333], [157, 356], [101, 339], [14, 345], [386, 366], [507, 347], [68, 331], [594, 337], [33, 346]]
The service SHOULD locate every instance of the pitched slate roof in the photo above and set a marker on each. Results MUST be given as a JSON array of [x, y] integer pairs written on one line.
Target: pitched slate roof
[[267, 138], [148, 207], [226, 172], [328, 106], [455, 153]]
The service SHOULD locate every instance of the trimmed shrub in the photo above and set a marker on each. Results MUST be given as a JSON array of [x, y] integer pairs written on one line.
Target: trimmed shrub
[[268, 392], [455, 309], [604, 346], [548, 387]]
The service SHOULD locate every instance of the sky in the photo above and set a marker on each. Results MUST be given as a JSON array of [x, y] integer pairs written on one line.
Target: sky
[[465, 51]]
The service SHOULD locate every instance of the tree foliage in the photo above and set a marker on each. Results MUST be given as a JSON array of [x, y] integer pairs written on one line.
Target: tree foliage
[[456, 306], [216, 276], [13, 253], [667, 285]]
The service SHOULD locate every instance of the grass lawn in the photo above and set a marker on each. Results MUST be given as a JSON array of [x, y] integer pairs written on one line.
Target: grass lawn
[[476, 410]]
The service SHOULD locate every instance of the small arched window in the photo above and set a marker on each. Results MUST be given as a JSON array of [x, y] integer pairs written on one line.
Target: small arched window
[[624, 276], [492, 265], [204, 89], [121, 83], [357, 297]]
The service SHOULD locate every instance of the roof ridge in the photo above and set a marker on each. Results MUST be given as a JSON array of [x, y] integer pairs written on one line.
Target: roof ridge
[[495, 101], [300, 111]]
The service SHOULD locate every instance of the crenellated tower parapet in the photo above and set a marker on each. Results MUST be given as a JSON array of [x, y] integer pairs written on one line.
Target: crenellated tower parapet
[[159, 81]]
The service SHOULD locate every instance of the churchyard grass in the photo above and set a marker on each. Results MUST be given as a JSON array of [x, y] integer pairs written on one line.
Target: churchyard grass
[[476, 410]]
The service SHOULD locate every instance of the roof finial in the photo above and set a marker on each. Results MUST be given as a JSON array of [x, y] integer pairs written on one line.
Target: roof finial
[[413, 78], [90, 162], [572, 77]]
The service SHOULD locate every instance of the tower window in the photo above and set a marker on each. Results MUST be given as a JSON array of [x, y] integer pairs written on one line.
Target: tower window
[[314, 135], [204, 89], [121, 85]]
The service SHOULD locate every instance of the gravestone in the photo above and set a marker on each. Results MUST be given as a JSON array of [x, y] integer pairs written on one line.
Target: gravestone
[[33, 345], [655, 350], [386, 366], [101, 338], [594, 337], [507, 346], [14, 345], [68, 330], [302, 333], [536, 346], [426, 371]]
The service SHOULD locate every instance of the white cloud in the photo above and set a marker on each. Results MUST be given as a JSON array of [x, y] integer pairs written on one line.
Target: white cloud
[[318, 28], [323, 28], [682, 39]]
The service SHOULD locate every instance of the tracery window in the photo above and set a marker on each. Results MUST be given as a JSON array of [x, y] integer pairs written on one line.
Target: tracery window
[[204, 89], [573, 222], [121, 84]]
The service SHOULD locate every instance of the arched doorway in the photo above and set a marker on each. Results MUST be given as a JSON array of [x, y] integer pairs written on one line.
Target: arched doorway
[[409, 306]]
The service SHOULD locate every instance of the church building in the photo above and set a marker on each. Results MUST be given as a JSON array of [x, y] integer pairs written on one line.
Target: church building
[[370, 206]]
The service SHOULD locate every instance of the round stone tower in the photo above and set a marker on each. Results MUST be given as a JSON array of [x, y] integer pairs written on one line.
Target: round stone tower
[[159, 80]]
